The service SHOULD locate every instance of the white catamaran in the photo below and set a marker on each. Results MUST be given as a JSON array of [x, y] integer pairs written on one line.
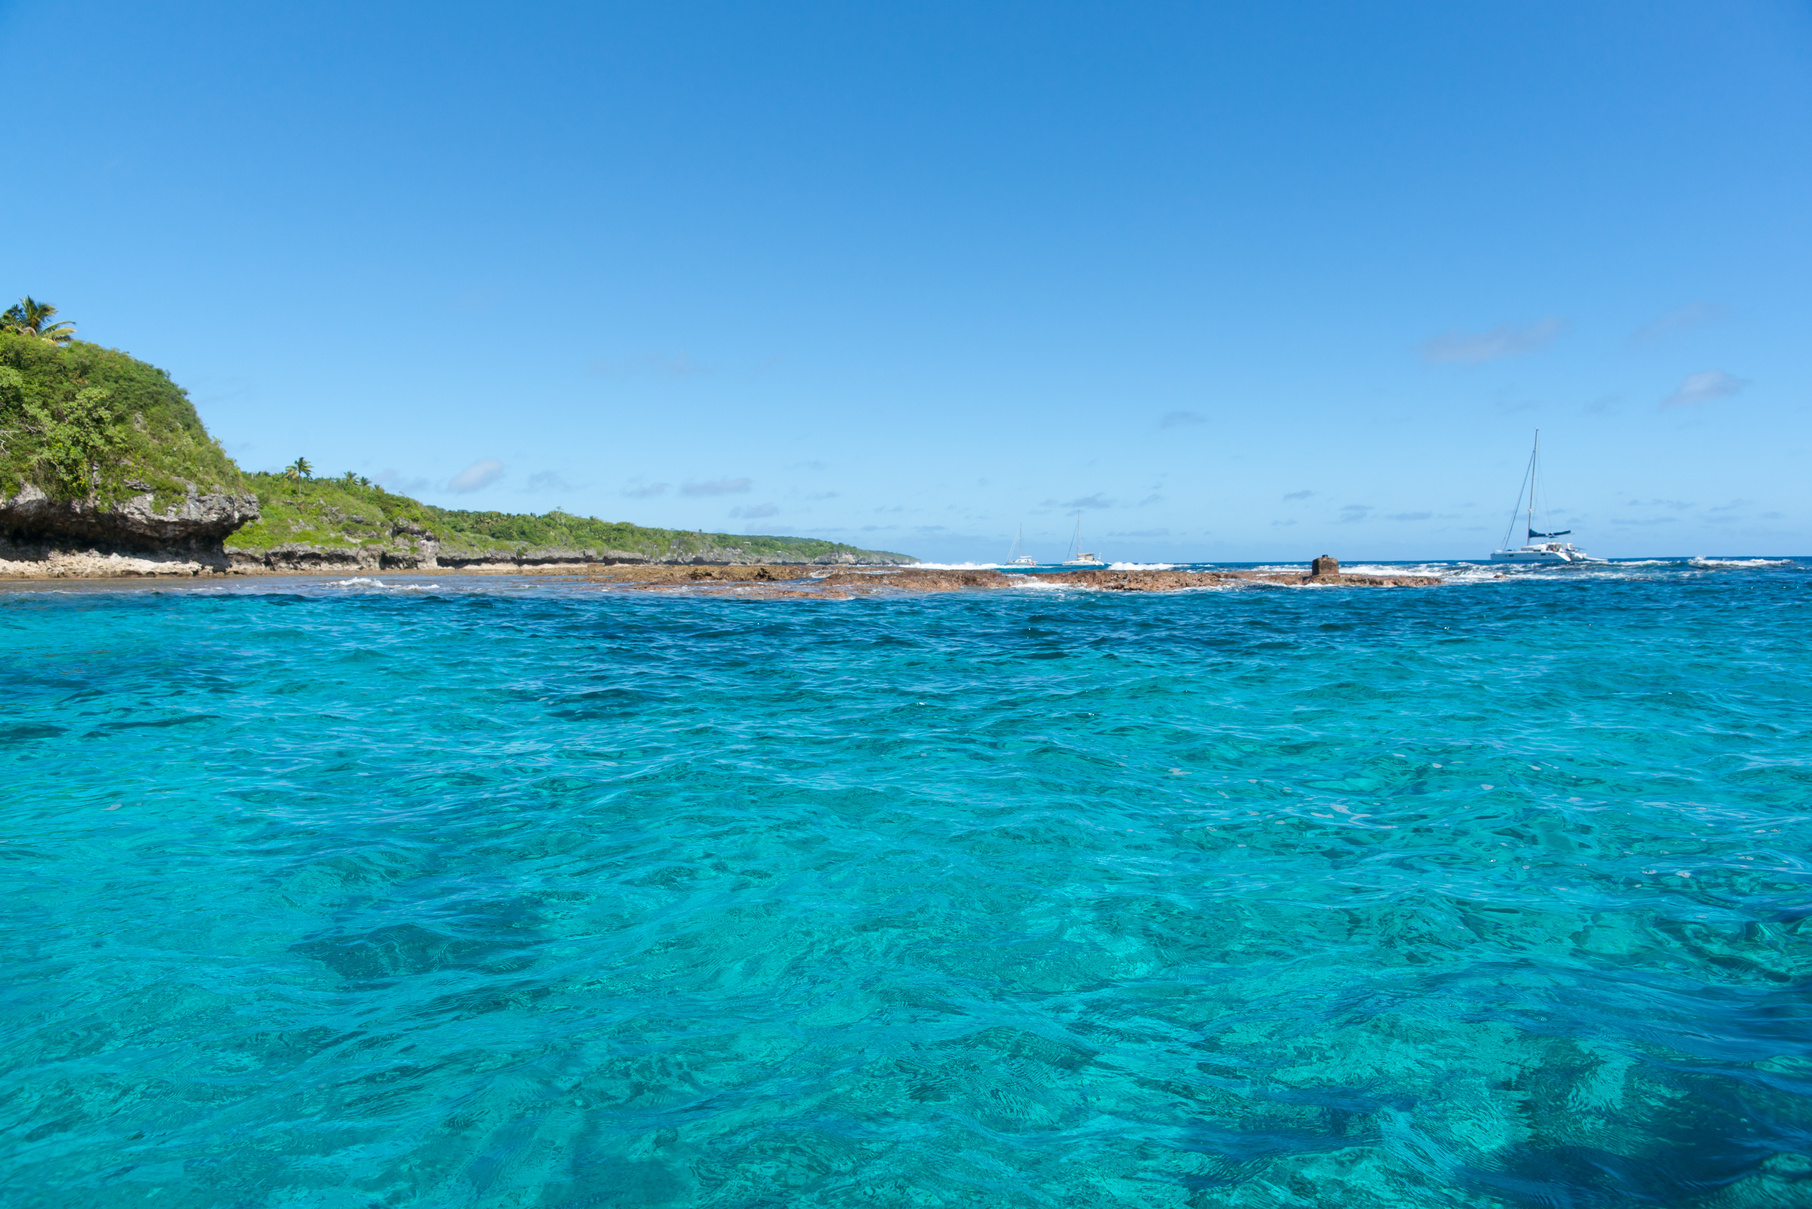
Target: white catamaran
[[1017, 556], [1540, 547], [1078, 556]]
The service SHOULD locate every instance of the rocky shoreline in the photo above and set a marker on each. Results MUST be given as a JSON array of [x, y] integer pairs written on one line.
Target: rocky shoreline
[[26, 561]]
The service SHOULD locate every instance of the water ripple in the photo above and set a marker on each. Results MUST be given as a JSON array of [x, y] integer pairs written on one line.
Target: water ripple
[[326, 894]]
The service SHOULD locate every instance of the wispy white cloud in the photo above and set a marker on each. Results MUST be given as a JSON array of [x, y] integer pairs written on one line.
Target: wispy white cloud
[[643, 491], [1504, 340], [1181, 419], [1141, 533], [476, 477], [1703, 388], [1679, 320], [546, 480], [716, 487], [754, 511], [1299, 495], [1097, 500], [1409, 516], [392, 479], [1355, 512]]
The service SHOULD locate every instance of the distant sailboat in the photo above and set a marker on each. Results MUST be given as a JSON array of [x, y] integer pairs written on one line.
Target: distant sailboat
[[1539, 547], [1078, 556], [1017, 556]]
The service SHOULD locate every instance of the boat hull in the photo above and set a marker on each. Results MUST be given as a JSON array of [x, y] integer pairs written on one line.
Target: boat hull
[[1550, 557]]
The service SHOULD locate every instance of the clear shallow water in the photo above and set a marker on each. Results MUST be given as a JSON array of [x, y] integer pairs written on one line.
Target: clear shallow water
[[499, 894]]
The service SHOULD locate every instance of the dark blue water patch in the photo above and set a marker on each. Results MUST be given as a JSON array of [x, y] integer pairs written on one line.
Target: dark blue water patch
[[1494, 894]]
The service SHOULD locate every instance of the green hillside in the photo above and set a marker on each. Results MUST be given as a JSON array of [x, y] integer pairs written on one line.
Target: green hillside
[[348, 513], [81, 421], [85, 423]]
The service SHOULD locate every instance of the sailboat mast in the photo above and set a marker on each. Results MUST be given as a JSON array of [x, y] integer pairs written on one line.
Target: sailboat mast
[[1534, 467]]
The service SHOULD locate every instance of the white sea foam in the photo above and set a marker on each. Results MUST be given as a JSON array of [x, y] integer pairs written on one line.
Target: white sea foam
[[1401, 568], [1141, 566], [1039, 583], [1739, 562], [360, 581], [956, 567]]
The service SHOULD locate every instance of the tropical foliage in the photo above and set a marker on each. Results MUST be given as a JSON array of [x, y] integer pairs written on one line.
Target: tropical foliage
[[81, 421], [29, 317]]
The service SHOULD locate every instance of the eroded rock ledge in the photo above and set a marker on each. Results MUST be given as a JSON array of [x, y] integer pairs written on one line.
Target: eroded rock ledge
[[42, 537]]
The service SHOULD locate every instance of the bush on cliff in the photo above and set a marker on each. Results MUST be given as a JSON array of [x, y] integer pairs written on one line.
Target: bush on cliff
[[85, 422]]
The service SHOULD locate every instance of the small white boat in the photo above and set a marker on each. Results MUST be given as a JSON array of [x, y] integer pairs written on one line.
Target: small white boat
[[1078, 556], [1017, 556], [1540, 547]]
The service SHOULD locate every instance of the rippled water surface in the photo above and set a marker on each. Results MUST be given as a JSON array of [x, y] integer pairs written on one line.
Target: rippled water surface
[[493, 893]]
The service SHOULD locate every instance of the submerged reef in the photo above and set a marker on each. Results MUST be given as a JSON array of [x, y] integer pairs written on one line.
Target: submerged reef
[[777, 582]]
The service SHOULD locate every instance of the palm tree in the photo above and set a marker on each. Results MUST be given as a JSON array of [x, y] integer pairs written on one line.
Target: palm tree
[[29, 317], [298, 470]]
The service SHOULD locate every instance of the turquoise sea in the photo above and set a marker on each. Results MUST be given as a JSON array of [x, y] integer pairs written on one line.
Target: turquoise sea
[[493, 892]]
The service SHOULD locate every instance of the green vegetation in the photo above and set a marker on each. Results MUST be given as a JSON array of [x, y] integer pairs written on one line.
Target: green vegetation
[[79, 420], [350, 512], [333, 514], [505, 531]]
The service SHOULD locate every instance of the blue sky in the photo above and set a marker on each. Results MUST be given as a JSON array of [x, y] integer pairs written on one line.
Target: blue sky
[[1235, 281]]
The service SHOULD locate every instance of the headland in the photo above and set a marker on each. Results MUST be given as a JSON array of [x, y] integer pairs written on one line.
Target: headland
[[106, 471]]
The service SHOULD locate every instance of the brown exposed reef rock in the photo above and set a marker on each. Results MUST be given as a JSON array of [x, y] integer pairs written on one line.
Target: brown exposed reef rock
[[779, 582]]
